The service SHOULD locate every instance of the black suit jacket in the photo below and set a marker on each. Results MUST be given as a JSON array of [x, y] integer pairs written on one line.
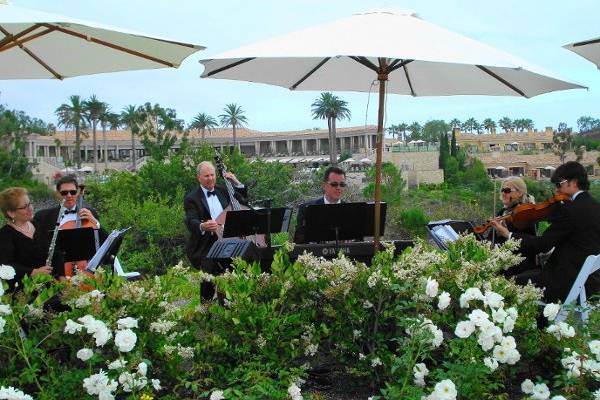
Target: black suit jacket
[[574, 232], [197, 211]]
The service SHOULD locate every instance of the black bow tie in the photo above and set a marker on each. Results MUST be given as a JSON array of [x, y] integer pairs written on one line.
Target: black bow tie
[[70, 212], [208, 194]]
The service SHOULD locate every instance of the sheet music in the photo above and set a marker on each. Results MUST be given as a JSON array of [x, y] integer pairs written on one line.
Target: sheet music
[[95, 260], [445, 233]]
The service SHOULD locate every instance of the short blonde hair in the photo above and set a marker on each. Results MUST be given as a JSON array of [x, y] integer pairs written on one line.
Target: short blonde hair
[[518, 184], [9, 199]]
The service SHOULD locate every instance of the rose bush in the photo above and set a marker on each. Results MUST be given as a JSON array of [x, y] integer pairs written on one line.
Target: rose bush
[[424, 325]]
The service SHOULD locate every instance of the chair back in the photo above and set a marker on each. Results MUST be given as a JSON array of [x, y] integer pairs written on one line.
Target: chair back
[[590, 265]]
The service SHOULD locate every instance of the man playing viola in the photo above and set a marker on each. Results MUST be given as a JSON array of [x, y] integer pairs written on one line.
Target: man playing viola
[[69, 190], [574, 233], [334, 186], [202, 206]]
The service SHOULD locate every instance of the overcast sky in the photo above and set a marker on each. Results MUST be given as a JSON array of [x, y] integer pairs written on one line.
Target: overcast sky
[[533, 30]]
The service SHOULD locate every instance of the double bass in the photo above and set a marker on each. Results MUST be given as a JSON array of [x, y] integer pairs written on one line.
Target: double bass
[[234, 204]]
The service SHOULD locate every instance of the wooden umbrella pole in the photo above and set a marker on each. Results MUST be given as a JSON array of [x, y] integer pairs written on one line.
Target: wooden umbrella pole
[[382, 77]]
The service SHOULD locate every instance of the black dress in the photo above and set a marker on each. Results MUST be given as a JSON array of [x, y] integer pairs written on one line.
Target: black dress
[[25, 254]]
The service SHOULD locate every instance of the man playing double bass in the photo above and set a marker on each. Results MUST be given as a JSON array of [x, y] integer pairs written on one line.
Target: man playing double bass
[[202, 206], [574, 233]]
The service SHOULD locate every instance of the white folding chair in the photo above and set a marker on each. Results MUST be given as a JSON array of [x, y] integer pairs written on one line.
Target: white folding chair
[[590, 265]]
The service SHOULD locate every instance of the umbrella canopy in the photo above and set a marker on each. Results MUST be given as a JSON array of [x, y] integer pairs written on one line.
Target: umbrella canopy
[[366, 161], [588, 49], [549, 167], [39, 45], [406, 54], [349, 160], [500, 167]]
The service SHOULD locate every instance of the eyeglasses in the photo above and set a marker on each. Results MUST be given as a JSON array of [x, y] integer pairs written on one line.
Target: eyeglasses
[[507, 190], [26, 206], [66, 192], [336, 184], [559, 184]]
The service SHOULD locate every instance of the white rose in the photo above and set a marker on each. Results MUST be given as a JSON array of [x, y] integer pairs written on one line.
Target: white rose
[[142, 368], [540, 392], [513, 313], [127, 323], [551, 311], [527, 386], [2, 323], [499, 315], [431, 288], [443, 300], [117, 364], [7, 272], [509, 325], [558, 398], [464, 329], [491, 363], [156, 384], [5, 309], [85, 354], [508, 342], [479, 317], [72, 327], [217, 395], [594, 346], [125, 340], [493, 299], [445, 390]]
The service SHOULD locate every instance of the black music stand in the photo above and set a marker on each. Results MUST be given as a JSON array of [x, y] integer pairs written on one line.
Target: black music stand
[[459, 227], [335, 222], [77, 244], [257, 222], [107, 252]]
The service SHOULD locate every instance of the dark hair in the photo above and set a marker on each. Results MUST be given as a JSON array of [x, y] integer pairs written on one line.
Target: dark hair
[[332, 170], [66, 179], [571, 170]]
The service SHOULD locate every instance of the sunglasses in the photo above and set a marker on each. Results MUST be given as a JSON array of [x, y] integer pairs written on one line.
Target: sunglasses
[[336, 184], [26, 206], [66, 192], [507, 190], [559, 184]]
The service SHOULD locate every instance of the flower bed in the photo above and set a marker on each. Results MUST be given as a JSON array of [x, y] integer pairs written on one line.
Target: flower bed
[[427, 325]]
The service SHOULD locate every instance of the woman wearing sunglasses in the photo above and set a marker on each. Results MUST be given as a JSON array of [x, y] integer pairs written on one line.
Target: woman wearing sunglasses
[[20, 243]]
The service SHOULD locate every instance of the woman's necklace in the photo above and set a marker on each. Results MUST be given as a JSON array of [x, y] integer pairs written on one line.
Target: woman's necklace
[[28, 230]]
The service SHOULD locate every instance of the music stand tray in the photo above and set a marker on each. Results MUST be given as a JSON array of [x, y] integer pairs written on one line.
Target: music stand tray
[[77, 244]]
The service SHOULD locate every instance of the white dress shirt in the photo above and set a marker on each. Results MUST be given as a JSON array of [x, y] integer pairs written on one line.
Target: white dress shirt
[[327, 202], [214, 205]]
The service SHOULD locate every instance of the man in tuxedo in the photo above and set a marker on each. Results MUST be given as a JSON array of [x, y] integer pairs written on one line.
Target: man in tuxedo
[[574, 233], [333, 185], [202, 206], [69, 190]]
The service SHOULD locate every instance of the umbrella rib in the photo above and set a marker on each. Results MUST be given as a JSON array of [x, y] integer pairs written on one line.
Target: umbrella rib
[[412, 91], [312, 71], [11, 40], [394, 66], [226, 67], [364, 61], [584, 43], [32, 55], [110, 45], [502, 80]]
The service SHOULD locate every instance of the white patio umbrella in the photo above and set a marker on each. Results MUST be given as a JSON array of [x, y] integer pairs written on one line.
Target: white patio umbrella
[[588, 49], [366, 161], [406, 54], [39, 45]]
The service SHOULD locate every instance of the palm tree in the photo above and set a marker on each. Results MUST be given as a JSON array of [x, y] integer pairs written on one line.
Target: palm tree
[[528, 124], [489, 125], [107, 118], [403, 127], [130, 117], [234, 117], [202, 122], [469, 125], [506, 124], [454, 124], [332, 108], [93, 109], [72, 115], [415, 131]]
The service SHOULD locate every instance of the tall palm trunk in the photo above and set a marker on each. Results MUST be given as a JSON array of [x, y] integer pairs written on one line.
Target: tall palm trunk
[[78, 146], [105, 149], [234, 137], [203, 133], [332, 142], [95, 145]]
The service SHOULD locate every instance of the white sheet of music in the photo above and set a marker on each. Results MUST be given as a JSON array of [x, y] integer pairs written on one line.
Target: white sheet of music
[[445, 233]]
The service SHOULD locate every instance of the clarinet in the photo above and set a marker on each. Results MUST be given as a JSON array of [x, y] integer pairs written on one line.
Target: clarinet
[[61, 213]]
